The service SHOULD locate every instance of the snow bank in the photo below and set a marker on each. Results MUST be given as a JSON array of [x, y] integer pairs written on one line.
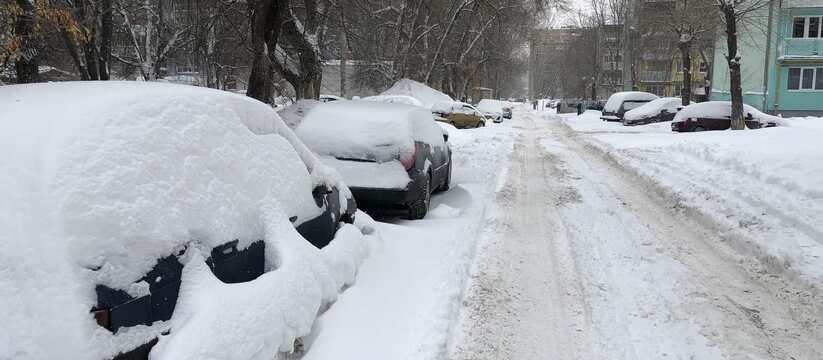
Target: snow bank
[[395, 99], [761, 186], [426, 95], [722, 109], [368, 130], [617, 99], [653, 108], [111, 176]]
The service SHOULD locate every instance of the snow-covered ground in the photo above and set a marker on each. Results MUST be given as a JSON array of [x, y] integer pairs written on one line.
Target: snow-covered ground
[[547, 248], [409, 292], [763, 188]]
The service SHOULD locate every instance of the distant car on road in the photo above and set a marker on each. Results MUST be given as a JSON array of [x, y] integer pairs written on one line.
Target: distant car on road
[[392, 156], [620, 103], [507, 112], [657, 110], [459, 114], [716, 115]]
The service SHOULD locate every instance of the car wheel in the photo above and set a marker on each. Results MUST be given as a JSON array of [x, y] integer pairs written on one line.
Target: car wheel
[[698, 129], [419, 207], [481, 124]]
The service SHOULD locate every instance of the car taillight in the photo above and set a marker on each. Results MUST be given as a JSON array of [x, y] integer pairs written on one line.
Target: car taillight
[[103, 318], [408, 162]]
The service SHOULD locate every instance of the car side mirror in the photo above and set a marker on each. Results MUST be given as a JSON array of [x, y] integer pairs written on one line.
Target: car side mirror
[[446, 137]]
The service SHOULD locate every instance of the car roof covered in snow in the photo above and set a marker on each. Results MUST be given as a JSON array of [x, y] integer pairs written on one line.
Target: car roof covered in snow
[[368, 130], [617, 99], [490, 106], [653, 108], [721, 109], [394, 99], [426, 95]]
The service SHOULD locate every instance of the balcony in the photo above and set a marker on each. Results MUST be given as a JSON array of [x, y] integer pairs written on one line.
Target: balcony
[[655, 76]]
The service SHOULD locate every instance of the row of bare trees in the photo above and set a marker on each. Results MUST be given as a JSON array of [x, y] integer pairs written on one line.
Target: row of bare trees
[[278, 45]]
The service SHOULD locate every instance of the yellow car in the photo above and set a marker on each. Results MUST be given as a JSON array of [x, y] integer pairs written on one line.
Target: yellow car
[[460, 115]]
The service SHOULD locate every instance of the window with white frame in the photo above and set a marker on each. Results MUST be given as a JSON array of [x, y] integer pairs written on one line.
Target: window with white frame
[[807, 27], [807, 78]]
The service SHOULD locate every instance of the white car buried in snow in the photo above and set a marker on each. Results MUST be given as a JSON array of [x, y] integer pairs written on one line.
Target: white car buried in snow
[[620, 103], [657, 110], [142, 217], [392, 156]]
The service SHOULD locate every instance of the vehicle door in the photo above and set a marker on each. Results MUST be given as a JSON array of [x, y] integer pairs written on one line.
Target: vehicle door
[[474, 116]]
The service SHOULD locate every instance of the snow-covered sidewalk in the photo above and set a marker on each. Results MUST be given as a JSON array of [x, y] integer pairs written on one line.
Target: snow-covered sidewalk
[[762, 188], [409, 292]]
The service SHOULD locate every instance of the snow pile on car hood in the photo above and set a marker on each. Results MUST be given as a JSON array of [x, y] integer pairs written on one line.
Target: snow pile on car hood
[[653, 108], [722, 109], [99, 180], [368, 130], [394, 99], [617, 99], [426, 95]]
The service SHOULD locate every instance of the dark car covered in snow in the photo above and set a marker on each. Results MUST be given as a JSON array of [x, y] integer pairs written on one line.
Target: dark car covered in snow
[[392, 156], [716, 115], [658, 110]]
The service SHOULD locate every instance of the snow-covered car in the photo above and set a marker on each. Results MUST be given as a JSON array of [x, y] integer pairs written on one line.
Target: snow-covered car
[[657, 110], [507, 112], [329, 98], [393, 157], [621, 102], [394, 99], [492, 109], [459, 114], [124, 203], [716, 115]]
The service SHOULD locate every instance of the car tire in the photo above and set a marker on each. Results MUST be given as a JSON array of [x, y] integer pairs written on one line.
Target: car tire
[[419, 207], [698, 129], [481, 124]]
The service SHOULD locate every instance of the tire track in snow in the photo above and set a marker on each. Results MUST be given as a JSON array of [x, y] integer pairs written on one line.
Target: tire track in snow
[[581, 262]]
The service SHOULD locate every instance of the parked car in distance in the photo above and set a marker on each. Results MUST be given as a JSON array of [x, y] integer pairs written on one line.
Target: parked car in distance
[[620, 103], [125, 189], [392, 156], [657, 110], [460, 115], [329, 98], [492, 109], [716, 115], [507, 112]]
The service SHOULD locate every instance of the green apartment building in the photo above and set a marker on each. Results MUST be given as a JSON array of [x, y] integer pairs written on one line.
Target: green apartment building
[[781, 48]]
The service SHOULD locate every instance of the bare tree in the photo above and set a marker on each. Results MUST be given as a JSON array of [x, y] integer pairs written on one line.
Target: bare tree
[[733, 12]]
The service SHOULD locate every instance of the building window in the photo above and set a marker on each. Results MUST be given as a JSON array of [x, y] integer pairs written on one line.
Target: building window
[[807, 27], [805, 78]]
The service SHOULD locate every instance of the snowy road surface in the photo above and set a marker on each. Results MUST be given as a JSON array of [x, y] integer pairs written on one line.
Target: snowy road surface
[[547, 249]]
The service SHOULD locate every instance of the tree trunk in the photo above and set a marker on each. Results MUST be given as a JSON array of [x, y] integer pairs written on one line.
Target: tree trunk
[[265, 30], [686, 57], [26, 65], [106, 31], [735, 86]]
